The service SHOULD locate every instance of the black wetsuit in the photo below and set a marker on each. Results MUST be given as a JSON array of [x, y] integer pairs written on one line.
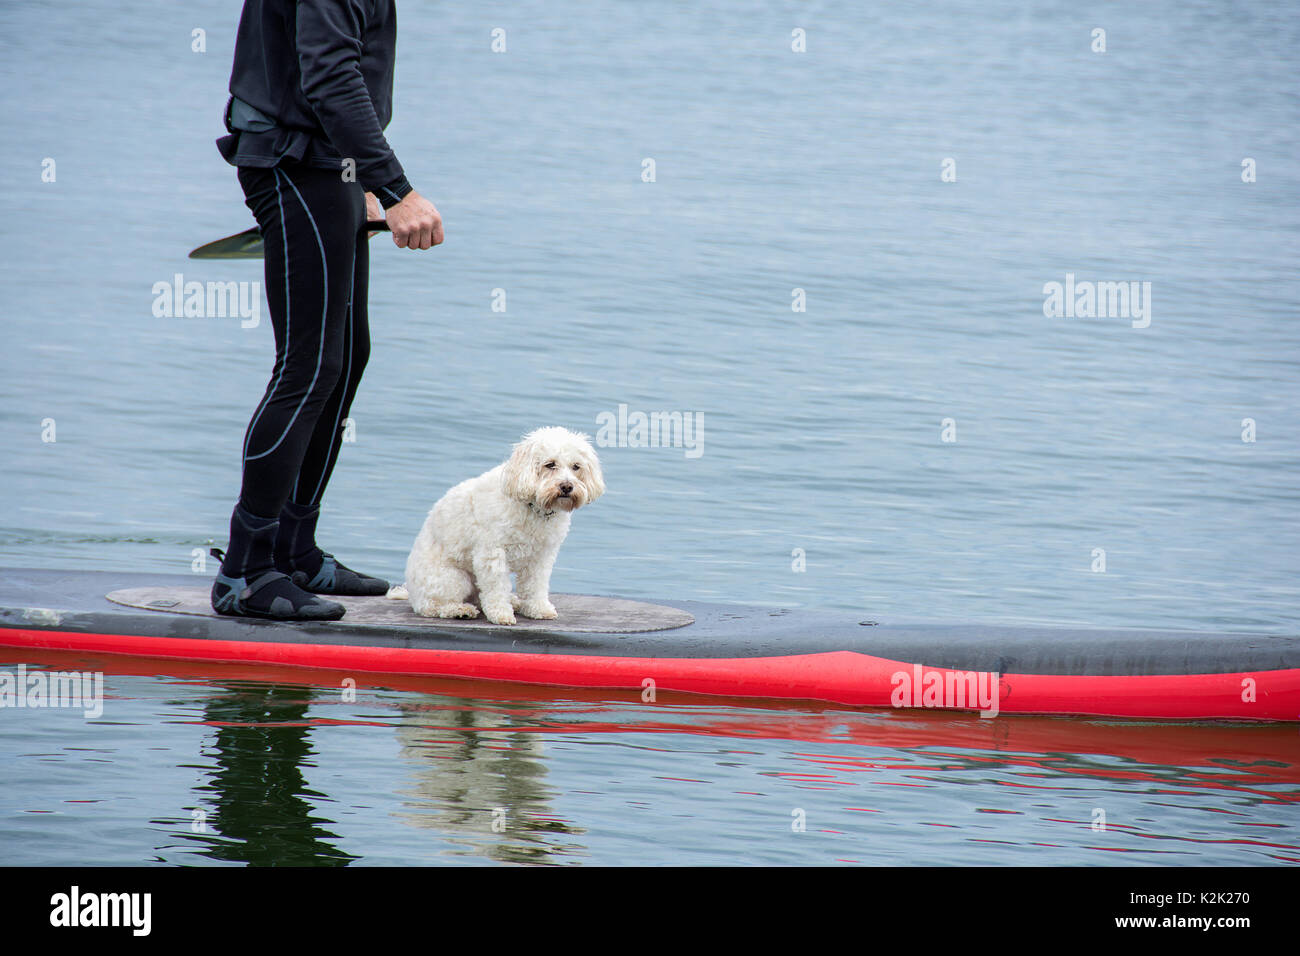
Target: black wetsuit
[[322, 71], [311, 91]]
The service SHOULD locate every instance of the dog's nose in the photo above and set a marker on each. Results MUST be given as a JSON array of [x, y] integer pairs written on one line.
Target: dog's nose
[[566, 488]]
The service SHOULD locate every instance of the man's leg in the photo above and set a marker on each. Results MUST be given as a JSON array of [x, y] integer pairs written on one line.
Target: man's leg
[[296, 551], [309, 220]]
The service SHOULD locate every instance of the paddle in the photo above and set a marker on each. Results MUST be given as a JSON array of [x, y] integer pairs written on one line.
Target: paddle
[[248, 244]]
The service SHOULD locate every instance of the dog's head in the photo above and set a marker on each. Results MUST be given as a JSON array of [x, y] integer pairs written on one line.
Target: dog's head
[[554, 468]]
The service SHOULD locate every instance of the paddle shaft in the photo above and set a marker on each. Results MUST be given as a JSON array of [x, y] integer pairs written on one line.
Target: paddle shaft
[[248, 244], [373, 225]]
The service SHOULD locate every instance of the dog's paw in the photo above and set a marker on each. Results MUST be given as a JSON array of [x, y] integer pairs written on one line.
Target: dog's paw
[[499, 613], [455, 610], [516, 602], [538, 610]]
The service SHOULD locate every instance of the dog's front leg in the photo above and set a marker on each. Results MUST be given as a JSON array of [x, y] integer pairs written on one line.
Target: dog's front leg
[[535, 587], [492, 576]]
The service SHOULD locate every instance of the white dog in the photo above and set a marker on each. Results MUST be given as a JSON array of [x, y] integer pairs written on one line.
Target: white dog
[[510, 520]]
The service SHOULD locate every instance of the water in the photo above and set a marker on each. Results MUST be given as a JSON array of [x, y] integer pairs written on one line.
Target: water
[[823, 429], [195, 771]]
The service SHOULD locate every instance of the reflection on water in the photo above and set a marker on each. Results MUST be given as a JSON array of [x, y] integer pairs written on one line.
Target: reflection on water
[[256, 800], [290, 771], [476, 770]]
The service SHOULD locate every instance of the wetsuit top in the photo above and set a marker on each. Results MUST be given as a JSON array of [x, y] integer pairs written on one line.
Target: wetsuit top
[[313, 82]]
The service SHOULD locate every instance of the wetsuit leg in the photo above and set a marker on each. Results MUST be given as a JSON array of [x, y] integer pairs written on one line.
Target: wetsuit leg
[[323, 449], [309, 219], [296, 551]]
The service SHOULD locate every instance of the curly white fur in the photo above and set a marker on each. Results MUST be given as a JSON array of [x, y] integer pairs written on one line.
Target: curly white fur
[[510, 520]]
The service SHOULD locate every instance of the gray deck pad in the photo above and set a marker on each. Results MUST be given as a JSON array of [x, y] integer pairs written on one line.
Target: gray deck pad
[[578, 613]]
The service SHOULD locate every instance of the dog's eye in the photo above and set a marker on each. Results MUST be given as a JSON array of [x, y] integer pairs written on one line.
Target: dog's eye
[[551, 465], [576, 466]]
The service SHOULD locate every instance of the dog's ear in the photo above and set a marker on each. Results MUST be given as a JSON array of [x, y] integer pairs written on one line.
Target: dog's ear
[[519, 474], [595, 477]]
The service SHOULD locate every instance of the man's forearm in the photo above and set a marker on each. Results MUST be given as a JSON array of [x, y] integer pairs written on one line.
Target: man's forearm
[[393, 193], [329, 57]]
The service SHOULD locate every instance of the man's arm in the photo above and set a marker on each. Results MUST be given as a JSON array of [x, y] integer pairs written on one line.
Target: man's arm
[[329, 44], [329, 58]]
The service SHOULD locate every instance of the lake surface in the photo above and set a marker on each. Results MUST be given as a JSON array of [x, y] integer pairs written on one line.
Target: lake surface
[[922, 441]]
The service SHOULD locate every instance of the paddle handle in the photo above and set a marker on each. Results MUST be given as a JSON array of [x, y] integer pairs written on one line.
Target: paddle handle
[[376, 225]]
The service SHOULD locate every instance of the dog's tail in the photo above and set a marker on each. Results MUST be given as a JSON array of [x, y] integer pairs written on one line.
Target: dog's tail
[[398, 593]]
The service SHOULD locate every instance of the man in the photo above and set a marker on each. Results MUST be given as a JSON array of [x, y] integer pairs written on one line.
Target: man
[[311, 92]]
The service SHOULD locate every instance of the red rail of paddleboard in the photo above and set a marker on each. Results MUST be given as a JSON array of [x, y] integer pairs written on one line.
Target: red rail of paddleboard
[[842, 677]]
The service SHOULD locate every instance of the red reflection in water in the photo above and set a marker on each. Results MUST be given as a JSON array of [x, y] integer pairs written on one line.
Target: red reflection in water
[[1237, 757]]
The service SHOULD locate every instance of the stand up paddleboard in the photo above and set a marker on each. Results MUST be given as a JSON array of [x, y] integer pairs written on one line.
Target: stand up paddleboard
[[736, 651]]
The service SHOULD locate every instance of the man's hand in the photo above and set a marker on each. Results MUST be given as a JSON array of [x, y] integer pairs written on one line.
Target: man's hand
[[415, 223], [374, 212]]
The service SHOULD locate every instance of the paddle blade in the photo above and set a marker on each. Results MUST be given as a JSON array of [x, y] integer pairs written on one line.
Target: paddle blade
[[248, 244], [242, 245]]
